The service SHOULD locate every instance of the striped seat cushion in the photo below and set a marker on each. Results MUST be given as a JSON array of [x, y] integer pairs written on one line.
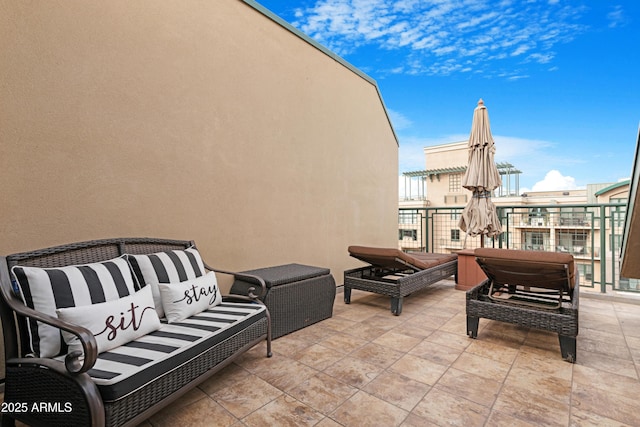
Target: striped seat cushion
[[48, 289], [120, 371]]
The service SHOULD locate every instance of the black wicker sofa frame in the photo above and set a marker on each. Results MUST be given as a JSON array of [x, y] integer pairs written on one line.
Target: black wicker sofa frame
[[66, 384], [396, 274]]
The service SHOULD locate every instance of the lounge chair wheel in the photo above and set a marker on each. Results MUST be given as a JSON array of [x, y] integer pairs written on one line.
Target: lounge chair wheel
[[568, 348], [347, 295], [472, 326], [396, 306]]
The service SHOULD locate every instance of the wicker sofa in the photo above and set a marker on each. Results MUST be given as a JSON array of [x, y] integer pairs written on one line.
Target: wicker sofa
[[128, 383]]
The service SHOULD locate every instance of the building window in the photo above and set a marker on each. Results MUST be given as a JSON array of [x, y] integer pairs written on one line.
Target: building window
[[408, 234], [455, 235], [538, 216], [585, 271], [455, 180], [618, 212], [573, 216], [574, 242], [535, 241]]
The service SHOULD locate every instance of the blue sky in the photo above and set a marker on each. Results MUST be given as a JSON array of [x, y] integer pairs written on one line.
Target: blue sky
[[560, 78]]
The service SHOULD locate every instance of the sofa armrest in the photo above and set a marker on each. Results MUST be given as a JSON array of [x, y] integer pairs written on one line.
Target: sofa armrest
[[258, 281], [76, 362]]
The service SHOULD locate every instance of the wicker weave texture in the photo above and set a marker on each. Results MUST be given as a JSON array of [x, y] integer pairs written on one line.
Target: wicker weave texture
[[371, 280], [30, 385], [93, 251], [297, 295], [361, 279], [563, 321], [288, 273], [296, 305]]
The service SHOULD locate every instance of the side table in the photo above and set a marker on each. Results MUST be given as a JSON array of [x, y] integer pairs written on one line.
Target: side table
[[297, 295], [469, 272]]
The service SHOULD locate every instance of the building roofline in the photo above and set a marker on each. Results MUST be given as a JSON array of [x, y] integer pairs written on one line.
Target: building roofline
[[612, 187], [275, 18], [446, 145]]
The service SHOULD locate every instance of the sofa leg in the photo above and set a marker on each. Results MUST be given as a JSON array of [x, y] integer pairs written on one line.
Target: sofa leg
[[472, 326], [568, 348], [347, 295], [269, 353], [396, 306]]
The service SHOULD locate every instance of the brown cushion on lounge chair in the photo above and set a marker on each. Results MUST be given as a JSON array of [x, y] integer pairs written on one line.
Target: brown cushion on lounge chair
[[515, 256], [397, 259]]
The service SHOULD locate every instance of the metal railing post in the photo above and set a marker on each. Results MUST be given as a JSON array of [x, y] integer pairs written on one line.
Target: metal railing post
[[603, 250]]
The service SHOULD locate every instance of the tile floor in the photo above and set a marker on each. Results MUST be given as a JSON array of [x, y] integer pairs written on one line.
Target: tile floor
[[366, 367]]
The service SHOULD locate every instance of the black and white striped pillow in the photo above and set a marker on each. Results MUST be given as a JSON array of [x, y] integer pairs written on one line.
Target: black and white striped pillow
[[47, 289], [166, 267]]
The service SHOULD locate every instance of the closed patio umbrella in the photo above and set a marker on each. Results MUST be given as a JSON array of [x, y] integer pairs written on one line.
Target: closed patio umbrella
[[479, 217]]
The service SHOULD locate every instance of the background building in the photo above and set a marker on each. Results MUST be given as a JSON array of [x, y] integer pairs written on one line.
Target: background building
[[588, 223]]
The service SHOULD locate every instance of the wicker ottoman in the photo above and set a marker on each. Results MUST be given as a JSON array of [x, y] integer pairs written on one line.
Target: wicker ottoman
[[297, 295]]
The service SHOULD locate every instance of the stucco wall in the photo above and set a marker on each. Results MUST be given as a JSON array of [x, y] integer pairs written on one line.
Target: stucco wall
[[445, 156], [190, 119]]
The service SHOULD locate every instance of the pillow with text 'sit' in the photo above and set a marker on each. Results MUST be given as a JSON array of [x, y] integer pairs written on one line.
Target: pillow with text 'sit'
[[113, 323], [48, 289], [184, 299]]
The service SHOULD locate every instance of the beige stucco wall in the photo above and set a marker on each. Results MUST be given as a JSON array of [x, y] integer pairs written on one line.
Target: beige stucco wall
[[445, 156], [188, 119]]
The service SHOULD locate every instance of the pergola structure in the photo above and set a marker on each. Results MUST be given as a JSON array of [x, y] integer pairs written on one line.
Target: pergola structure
[[509, 173]]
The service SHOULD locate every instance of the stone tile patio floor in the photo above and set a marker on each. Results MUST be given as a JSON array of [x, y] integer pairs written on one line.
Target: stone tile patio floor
[[366, 367]]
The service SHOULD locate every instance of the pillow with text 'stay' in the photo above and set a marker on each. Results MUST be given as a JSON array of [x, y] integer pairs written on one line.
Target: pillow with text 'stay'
[[184, 299]]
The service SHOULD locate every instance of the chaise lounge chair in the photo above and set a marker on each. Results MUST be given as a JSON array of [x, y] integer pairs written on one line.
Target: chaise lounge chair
[[527, 288], [395, 273]]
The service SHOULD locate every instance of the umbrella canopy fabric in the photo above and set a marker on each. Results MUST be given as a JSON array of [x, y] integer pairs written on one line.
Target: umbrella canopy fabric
[[479, 217]]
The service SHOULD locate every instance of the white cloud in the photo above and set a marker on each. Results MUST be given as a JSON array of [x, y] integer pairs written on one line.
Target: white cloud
[[399, 120], [616, 17], [555, 181], [437, 36]]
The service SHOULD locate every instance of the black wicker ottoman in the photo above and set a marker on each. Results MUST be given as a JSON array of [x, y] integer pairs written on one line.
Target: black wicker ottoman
[[297, 295]]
